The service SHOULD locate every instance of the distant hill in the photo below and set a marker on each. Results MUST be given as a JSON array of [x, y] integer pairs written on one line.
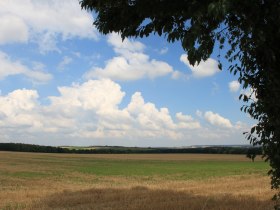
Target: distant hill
[[219, 149]]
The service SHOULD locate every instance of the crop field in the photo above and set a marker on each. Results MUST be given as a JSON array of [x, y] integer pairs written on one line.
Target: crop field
[[133, 181]]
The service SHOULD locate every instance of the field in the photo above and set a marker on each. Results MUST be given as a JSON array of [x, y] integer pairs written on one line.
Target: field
[[133, 181]]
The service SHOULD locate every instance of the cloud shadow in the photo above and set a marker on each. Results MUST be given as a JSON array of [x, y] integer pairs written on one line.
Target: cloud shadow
[[144, 198]]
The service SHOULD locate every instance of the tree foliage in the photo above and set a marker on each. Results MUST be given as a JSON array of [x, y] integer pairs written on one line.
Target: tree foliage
[[250, 28], [131, 150]]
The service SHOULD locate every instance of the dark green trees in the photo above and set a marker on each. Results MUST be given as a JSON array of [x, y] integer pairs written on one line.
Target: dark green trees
[[250, 28]]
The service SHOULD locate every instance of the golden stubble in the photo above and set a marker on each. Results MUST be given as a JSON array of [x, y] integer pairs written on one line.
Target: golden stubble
[[240, 192], [86, 191]]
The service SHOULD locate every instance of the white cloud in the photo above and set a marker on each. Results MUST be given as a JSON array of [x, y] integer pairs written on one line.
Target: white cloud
[[130, 64], [125, 47], [181, 117], [148, 117], [9, 67], [217, 120], [65, 61], [17, 110], [234, 86], [44, 21], [13, 29], [204, 69], [96, 95], [89, 110], [187, 121]]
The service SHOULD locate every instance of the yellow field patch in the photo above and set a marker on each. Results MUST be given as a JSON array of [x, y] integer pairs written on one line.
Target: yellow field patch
[[74, 190]]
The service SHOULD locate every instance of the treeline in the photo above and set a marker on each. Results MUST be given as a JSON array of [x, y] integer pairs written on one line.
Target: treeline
[[19, 147]]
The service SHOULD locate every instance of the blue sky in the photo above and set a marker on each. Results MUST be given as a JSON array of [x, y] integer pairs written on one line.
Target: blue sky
[[63, 83]]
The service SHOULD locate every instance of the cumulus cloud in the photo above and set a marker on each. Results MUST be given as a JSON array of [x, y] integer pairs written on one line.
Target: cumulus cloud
[[187, 121], [204, 69], [130, 64], [89, 110], [234, 86], [92, 95], [8, 67], [151, 121], [181, 117], [217, 120], [44, 22], [91, 113], [17, 109]]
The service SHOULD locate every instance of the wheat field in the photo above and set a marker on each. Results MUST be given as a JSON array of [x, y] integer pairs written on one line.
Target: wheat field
[[146, 181]]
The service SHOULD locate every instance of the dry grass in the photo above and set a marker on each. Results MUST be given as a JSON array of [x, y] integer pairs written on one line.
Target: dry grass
[[74, 190]]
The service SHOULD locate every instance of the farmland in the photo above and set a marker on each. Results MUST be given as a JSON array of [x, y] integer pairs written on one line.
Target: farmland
[[132, 181]]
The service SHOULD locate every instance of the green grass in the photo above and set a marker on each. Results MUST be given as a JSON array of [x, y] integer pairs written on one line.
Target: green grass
[[178, 169], [34, 166]]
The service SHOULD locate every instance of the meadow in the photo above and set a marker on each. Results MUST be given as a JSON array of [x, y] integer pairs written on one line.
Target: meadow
[[133, 181]]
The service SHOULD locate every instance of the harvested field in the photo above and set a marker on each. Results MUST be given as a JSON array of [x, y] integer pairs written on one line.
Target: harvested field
[[156, 181]]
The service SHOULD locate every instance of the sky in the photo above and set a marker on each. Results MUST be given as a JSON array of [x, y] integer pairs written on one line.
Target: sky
[[64, 83]]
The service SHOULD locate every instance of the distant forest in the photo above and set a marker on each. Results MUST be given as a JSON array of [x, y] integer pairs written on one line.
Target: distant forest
[[19, 147]]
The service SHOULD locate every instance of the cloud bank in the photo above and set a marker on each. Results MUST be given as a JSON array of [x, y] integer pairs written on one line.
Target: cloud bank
[[91, 111]]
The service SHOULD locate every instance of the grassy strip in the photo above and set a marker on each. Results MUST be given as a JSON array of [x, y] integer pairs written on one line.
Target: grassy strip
[[34, 165]]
